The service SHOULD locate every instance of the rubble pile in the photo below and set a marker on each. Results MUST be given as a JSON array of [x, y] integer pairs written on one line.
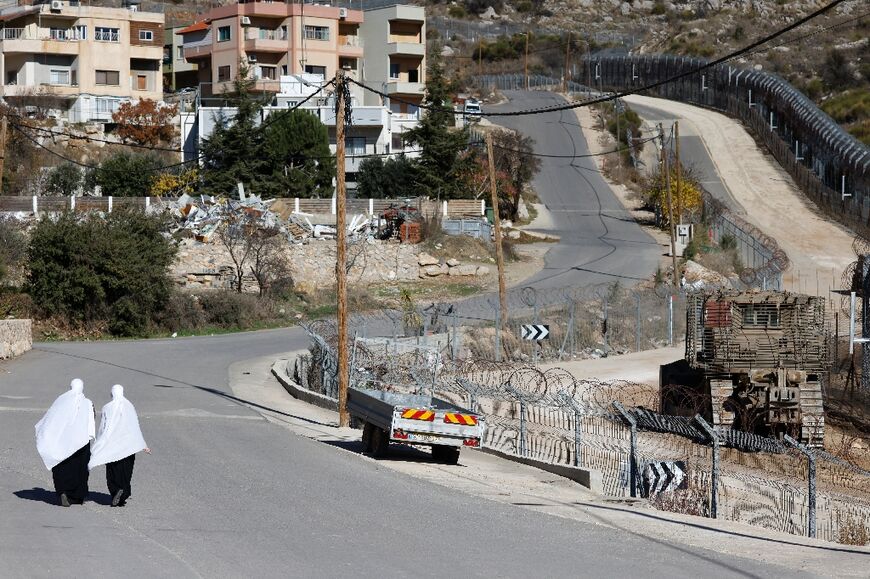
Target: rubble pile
[[201, 217]]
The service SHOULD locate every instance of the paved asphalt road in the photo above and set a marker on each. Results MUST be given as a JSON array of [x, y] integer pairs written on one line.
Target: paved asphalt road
[[600, 242], [228, 494]]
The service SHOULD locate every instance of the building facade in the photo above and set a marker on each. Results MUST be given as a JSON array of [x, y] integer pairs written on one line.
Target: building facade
[[178, 73], [84, 60], [272, 39]]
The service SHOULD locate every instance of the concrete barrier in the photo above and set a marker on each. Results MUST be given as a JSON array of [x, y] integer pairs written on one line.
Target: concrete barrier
[[16, 337], [279, 370], [589, 478]]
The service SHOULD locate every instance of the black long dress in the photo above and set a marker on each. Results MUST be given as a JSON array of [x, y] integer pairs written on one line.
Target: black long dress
[[71, 475], [118, 477]]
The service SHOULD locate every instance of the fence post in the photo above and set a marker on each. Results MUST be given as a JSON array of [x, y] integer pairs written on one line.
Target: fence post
[[111, 198], [632, 467], [333, 205], [296, 205], [811, 476], [35, 205], [371, 206], [522, 427], [577, 436], [147, 203], [714, 475], [72, 202], [670, 319], [444, 208], [482, 207]]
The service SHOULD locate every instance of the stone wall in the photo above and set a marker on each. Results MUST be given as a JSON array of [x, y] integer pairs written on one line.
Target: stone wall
[[16, 337], [208, 265]]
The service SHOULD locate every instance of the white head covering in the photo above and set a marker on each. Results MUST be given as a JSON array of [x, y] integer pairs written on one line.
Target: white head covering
[[120, 435], [66, 427]]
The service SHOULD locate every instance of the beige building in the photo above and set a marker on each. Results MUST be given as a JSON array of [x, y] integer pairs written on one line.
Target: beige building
[[86, 58], [177, 72], [273, 39]]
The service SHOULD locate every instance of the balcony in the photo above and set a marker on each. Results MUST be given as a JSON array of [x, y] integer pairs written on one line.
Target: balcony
[[406, 49], [44, 41], [197, 50], [350, 45], [63, 90], [361, 116], [265, 40], [402, 87]]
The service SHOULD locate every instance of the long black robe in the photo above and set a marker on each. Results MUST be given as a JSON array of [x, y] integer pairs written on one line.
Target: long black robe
[[118, 477], [71, 475]]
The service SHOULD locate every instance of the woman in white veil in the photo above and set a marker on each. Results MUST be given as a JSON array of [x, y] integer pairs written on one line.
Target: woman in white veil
[[63, 439], [118, 441]]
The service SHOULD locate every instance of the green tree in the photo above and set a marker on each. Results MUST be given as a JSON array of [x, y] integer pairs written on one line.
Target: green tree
[[378, 178], [513, 155], [64, 180], [296, 148], [93, 269], [126, 174], [233, 152], [445, 164]]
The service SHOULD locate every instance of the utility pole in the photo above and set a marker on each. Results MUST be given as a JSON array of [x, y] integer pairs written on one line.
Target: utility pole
[[677, 169], [3, 128], [567, 63], [341, 246], [667, 171], [499, 256], [526, 61]]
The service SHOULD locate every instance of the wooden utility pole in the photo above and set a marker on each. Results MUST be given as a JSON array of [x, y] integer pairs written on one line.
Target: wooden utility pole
[[340, 254], [480, 56], [3, 127], [667, 172], [526, 61], [499, 255], [567, 63], [677, 170]]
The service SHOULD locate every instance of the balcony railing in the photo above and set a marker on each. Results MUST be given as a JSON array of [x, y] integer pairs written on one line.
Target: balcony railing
[[352, 41], [56, 34], [12, 33], [107, 36]]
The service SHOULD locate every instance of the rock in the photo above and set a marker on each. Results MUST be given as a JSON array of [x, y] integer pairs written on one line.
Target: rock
[[425, 259], [482, 270], [432, 270], [445, 269], [452, 262], [514, 234], [522, 210], [463, 270], [625, 8], [447, 51], [489, 14]]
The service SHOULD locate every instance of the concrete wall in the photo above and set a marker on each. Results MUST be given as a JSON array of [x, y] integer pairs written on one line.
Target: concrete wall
[[16, 337]]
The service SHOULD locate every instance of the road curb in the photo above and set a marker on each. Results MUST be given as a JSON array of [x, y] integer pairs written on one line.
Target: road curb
[[279, 370], [591, 479]]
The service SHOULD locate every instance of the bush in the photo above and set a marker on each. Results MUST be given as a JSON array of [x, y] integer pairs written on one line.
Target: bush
[[92, 269], [228, 309], [126, 174], [182, 312], [457, 11], [64, 180]]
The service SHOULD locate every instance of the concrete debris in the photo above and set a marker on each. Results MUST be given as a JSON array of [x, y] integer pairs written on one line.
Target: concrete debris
[[201, 217]]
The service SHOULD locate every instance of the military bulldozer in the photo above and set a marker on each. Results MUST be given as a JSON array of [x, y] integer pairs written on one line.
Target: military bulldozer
[[755, 361]]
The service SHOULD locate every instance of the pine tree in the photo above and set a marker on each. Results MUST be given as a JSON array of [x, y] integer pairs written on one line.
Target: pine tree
[[445, 164], [296, 146]]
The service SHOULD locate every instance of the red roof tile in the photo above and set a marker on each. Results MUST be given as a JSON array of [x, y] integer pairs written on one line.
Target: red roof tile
[[196, 27]]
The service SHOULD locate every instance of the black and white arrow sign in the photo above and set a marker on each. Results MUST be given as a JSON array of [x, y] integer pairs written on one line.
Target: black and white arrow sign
[[665, 476], [535, 331]]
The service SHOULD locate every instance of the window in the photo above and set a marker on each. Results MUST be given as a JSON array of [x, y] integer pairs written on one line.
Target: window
[[104, 34], [58, 33], [760, 316], [59, 77], [355, 146], [284, 69], [108, 77], [283, 35], [180, 55], [414, 75], [81, 32], [141, 82], [319, 70], [224, 73], [394, 70], [316, 32], [224, 34], [146, 35], [269, 72], [397, 142]]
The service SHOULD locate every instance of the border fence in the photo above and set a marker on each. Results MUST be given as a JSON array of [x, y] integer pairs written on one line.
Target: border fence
[[610, 426], [828, 163]]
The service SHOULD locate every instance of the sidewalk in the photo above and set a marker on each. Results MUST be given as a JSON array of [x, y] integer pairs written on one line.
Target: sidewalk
[[492, 478]]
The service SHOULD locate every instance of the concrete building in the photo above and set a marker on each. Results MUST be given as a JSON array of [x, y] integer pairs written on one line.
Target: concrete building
[[178, 73], [84, 60], [395, 62], [274, 39]]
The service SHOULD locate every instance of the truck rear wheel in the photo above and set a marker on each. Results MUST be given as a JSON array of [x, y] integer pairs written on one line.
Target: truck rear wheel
[[368, 428], [380, 443], [445, 454]]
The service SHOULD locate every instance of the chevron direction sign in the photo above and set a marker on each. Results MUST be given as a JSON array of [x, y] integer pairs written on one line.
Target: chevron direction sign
[[535, 331], [665, 476]]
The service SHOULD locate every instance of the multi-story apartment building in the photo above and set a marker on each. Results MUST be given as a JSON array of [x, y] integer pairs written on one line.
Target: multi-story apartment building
[[87, 58], [274, 39], [177, 71]]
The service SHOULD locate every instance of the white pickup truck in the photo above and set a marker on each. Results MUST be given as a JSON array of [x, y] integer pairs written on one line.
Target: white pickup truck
[[414, 419]]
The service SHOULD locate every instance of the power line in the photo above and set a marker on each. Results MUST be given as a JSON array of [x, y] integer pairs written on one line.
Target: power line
[[728, 57]]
